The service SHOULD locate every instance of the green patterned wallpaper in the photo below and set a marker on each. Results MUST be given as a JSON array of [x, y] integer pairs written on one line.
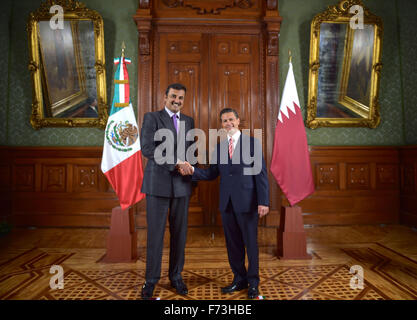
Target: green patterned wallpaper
[[295, 35], [5, 14], [408, 39], [119, 26]]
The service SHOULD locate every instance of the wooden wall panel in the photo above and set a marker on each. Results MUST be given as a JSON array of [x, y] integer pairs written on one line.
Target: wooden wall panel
[[6, 184], [65, 187], [408, 156], [361, 191], [23, 177], [354, 185], [58, 187]]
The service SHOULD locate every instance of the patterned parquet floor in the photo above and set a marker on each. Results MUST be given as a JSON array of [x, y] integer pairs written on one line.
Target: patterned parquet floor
[[386, 254]]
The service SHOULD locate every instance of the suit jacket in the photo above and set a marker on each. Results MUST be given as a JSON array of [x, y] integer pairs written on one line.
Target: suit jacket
[[90, 113], [245, 191], [163, 179]]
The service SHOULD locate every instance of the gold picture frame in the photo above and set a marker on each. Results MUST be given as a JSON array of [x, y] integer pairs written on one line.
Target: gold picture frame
[[355, 86], [67, 70]]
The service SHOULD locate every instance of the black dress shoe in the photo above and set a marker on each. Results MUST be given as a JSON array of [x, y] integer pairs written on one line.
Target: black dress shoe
[[180, 286], [253, 292], [147, 291], [235, 287]]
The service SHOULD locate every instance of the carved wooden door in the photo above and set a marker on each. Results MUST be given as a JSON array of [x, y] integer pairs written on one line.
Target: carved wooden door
[[220, 51], [219, 71]]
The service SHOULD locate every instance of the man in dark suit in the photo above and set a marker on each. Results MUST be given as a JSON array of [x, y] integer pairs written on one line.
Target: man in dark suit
[[163, 143], [91, 111], [244, 197]]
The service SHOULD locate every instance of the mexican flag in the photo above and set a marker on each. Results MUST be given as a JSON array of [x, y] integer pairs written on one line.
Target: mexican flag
[[122, 156]]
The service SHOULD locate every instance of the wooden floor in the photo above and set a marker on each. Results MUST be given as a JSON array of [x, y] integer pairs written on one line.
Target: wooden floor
[[387, 254]]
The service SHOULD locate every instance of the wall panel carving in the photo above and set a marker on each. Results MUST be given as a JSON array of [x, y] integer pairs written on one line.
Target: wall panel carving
[[209, 6], [24, 177], [86, 178], [327, 176], [387, 176], [53, 178], [358, 176]]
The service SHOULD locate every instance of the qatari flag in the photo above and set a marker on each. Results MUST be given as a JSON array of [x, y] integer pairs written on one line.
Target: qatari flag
[[122, 156], [290, 163]]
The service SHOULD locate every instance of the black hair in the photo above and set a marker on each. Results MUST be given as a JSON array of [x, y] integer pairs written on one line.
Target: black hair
[[227, 110], [176, 86]]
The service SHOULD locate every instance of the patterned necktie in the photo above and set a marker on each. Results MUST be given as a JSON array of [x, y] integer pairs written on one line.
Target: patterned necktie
[[230, 148], [174, 118]]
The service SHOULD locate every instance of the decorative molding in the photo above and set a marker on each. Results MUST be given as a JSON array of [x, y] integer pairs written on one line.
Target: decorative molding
[[223, 48], [180, 47], [387, 176], [144, 4], [342, 8], [314, 66], [215, 28], [85, 178], [99, 66], [33, 66], [144, 43], [272, 5], [327, 176], [77, 8], [24, 177], [358, 176], [272, 46], [244, 48], [53, 178], [209, 7]]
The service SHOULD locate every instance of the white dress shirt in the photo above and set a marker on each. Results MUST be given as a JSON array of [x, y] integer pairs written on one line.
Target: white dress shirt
[[235, 137]]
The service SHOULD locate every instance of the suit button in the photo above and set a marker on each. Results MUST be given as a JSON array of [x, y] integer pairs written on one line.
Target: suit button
[[230, 175]]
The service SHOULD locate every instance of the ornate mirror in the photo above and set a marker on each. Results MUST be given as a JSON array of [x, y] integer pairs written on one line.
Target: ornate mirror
[[345, 65], [67, 65]]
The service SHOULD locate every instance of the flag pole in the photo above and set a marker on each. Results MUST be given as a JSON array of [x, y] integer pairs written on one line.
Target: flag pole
[[123, 49]]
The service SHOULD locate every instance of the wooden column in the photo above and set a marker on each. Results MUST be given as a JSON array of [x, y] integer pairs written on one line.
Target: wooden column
[[145, 91], [272, 21]]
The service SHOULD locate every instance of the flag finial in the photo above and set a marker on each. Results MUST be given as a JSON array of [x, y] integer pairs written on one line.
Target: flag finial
[[123, 48], [290, 55]]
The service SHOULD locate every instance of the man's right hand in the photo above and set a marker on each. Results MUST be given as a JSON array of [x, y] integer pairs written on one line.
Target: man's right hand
[[184, 168]]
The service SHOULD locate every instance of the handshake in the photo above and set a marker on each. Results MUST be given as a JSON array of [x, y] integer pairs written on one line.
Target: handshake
[[184, 168]]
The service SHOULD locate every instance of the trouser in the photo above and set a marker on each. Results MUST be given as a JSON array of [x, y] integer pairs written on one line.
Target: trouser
[[156, 216], [241, 231]]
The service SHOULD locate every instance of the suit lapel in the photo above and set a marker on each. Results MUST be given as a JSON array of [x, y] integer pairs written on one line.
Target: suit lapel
[[238, 147], [167, 121], [184, 127]]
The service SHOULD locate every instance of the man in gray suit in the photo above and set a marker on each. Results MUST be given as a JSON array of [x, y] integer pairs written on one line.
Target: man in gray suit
[[165, 188]]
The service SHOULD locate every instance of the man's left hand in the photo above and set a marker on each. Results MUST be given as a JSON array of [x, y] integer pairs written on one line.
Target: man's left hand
[[262, 211]]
